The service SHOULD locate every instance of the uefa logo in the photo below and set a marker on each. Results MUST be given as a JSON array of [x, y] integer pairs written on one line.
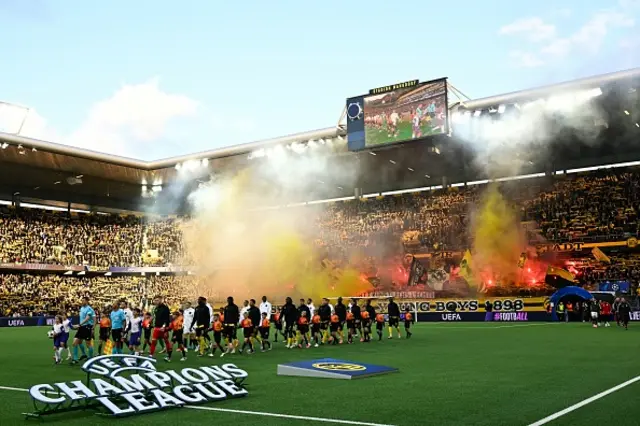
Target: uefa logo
[[334, 366]]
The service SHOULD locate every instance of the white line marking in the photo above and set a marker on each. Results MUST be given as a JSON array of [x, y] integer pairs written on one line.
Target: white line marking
[[13, 389], [585, 402], [287, 416], [256, 413]]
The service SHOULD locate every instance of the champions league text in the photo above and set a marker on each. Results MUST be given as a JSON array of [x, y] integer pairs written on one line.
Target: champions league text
[[132, 385]]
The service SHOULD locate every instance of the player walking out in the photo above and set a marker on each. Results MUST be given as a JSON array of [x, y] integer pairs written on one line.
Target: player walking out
[[289, 315], [231, 320], [161, 320], [200, 323], [189, 334], [394, 318]]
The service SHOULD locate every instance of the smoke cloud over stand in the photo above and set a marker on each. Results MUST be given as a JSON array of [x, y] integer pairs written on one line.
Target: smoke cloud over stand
[[243, 246], [506, 141]]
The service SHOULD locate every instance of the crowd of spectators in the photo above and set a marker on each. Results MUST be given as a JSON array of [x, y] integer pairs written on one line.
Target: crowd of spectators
[[41, 236], [593, 207], [24, 294]]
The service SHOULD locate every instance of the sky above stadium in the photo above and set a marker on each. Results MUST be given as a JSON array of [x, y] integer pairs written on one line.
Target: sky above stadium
[[154, 79]]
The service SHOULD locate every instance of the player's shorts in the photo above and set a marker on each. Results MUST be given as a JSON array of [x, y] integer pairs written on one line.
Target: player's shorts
[[380, 325], [57, 341], [351, 324], [278, 325], [230, 331], [64, 338], [158, 334], [177, 336], [315, 328], [394, 321], [324, 325], [341, 325], [217, 336], [147, 334], [594, 315], [264, 332], [85, 332], [104, 334], [201, 331], [134, 339], [358, 323], [335, 326], [116, 334], [248, 332], [303, 329], [366, 324], [407, 324]]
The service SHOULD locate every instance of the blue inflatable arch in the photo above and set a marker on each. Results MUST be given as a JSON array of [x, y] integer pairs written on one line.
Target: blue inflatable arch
[[567, 291]]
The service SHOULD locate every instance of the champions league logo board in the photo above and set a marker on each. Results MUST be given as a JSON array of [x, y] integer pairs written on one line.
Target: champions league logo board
[[123, 385], [329, 368]]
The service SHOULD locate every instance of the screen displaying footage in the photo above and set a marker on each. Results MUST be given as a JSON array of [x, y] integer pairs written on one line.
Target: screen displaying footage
[[406, 114]]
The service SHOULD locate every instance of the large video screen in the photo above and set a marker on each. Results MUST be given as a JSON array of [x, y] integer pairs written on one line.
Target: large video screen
[[405, 114]]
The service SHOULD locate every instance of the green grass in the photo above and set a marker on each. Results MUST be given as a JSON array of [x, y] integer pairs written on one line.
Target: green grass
[[376, 136], [450, 374]]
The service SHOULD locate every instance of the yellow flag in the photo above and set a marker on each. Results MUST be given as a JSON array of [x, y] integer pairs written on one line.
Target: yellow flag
[[108, 348], [522, 260], [465, 269], [560, 273], [600, 256]]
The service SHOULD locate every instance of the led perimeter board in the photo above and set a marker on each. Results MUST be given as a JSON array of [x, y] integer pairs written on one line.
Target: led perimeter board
[[398, 113]]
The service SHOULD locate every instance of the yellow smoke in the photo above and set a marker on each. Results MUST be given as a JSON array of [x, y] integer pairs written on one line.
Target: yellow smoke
[[247, 253], [498, 240]]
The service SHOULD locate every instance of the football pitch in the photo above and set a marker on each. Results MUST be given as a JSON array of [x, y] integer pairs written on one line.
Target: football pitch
[[376, 136], [449, 374]]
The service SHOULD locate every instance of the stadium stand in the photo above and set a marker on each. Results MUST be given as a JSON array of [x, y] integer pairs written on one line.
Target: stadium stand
[[597, 206]]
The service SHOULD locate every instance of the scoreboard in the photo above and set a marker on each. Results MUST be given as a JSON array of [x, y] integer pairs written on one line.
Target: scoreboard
[[397, 113]]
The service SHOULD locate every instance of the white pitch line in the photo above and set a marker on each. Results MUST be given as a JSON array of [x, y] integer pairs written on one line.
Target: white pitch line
[[13, 389], [580, 404], [287, 416], [257, 413]]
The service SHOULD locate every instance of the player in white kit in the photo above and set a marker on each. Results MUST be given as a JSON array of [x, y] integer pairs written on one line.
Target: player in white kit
[[189, 334]]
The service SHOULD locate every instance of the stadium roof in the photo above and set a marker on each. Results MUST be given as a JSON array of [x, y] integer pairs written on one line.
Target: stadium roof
[[45, 170]]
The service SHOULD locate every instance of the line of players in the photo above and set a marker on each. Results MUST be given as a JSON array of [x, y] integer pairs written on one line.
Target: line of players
[[300, 325], [389, 122], [190, 328]]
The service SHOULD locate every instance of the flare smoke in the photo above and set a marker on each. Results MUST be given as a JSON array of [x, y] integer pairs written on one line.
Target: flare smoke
[[245, 243]]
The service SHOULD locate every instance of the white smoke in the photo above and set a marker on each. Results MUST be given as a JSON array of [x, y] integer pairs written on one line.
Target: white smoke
[[510, 137]]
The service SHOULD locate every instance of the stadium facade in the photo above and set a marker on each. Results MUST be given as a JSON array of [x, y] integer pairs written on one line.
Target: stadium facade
[[45, 173]]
